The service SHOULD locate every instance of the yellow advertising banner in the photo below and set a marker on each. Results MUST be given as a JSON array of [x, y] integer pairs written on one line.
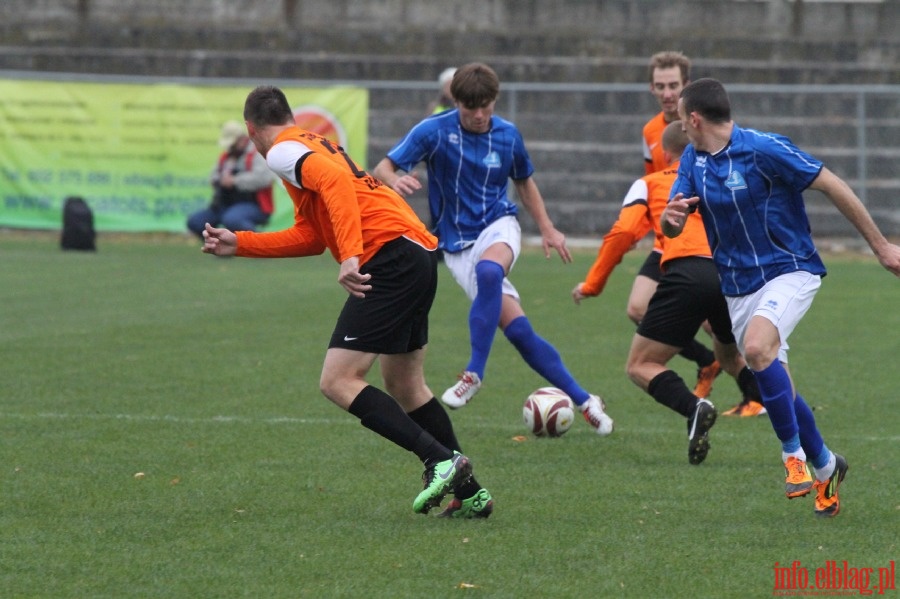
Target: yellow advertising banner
[[140, 154]]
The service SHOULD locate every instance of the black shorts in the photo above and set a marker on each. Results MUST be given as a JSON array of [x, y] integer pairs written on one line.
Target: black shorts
[[393, 317], [650, 267], [688, 293]]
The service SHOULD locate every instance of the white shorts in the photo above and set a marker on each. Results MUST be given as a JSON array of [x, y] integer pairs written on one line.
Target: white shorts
[[783, 301], [506, 230]]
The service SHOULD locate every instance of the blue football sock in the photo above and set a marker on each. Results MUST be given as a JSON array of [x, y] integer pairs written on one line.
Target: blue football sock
[[791, 446], [543, 358], [484, 315], [810, 438], [778, 397]]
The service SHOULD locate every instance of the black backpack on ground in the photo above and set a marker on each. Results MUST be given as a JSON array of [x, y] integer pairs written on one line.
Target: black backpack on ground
[[78, 225]]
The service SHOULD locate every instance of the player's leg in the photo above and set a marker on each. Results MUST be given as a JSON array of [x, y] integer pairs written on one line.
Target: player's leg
[[733, 363], [343, 382], [647, 359], [682, 301], [391, 319], [545, 360], [642, 289], [763, 321], [481, 272], [762, 344], [405, 380], [728, 355], [484, 314]]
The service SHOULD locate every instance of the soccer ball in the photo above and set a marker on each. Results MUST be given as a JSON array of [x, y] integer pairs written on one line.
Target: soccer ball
[[548, 412]]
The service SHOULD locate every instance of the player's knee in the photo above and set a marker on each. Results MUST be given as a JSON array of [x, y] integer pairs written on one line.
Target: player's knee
[[631, 370], [489, 274], [330, 385], [759, 355]]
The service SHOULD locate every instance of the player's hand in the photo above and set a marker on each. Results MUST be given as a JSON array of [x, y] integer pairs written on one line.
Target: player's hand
[[351, 279], [890, 258], [676, 213], [556, 240], [577, 295], [407, 184], [219, 242]]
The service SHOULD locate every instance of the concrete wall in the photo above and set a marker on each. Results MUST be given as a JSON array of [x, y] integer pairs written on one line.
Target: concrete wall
[[773, 19]]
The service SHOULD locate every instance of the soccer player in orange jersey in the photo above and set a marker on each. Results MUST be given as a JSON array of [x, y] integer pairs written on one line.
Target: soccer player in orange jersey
[[687, 295], [388, 268], [669, 72]]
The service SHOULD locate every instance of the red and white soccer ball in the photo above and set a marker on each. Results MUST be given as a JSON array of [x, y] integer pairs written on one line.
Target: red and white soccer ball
[[548, 412]]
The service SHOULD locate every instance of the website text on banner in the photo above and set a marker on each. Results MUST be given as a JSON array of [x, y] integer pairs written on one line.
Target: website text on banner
[[140, 154]]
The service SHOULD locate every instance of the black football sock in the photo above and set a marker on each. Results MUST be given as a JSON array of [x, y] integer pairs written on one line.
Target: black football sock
[[746, 382], [669, 389], [378, 412], [434, 418], [699, 353]]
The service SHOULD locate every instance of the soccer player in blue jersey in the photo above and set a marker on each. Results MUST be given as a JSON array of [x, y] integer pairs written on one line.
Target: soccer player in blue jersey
[[748, 187], [471, 154]]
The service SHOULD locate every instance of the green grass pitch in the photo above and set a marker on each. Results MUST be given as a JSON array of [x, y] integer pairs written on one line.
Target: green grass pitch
[[202, 375]]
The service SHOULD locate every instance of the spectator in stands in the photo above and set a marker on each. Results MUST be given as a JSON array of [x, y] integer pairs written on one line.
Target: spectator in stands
[[471, 155], [748, 187], [669, 72], [444, 101], [242, 186]]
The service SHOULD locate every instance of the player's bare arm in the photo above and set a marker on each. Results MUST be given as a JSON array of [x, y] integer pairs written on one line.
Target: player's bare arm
[[849, 204], [676, 213], [403, 183], [551, 237]]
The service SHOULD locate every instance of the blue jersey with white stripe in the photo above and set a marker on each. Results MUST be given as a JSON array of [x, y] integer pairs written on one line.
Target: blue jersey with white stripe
[[752, 207], [468, 173]]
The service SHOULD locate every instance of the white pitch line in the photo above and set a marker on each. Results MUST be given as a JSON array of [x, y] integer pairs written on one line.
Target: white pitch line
[[481, 423], [170, 418]]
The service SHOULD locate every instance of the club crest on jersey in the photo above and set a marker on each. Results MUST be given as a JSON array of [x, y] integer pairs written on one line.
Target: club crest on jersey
[[492, 160], [735, 181]]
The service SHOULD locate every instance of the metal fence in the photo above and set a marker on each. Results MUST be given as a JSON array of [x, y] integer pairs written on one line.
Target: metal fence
[[585, 137]]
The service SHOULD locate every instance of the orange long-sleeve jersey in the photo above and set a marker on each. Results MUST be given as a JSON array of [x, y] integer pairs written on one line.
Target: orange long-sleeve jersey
[[654, 159], [641, 211], [337, 205]]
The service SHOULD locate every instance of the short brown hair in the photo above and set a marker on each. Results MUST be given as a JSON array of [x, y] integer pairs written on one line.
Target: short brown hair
[[475, 85], [668, 59], [708, 98]]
